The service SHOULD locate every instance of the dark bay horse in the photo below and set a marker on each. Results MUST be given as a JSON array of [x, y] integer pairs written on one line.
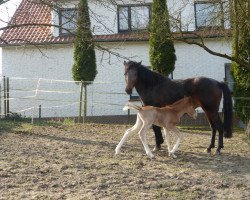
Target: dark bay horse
[[157, 90]]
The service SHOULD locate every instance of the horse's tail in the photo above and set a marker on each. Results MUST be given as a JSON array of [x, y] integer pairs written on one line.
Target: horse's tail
[[131, 106], [228, 110]]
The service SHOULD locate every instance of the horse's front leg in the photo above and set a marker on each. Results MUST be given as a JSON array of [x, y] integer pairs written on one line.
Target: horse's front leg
[[158, 137], [135, 128], [143, 137]]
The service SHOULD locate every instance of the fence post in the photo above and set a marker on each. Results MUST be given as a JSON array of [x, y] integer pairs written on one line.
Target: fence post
[[4, 95], [0, 100], [80, 105], [40, 112], [8, 97], [36, 92], [85, 103]]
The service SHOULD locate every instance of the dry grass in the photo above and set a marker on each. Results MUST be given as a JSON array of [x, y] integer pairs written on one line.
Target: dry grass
[[78, 162]]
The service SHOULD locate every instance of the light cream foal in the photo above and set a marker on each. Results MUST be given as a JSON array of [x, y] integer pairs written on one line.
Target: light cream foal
[[167, 117]]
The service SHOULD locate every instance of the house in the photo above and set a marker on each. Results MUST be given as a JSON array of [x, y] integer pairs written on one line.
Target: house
[[38, 58]]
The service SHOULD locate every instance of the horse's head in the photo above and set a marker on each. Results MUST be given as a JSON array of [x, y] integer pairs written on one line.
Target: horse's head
[[131, 75]]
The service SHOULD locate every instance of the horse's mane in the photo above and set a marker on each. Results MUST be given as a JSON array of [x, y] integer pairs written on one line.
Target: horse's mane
[[149, 77]]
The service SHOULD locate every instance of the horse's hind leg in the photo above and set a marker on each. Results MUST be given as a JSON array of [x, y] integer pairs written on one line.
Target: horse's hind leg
[[212, 142], [135, 128], [216, 124], [219, 126]]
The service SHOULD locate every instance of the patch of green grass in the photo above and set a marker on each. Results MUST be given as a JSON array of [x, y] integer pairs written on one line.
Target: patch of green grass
[[8, 125], [23, 127], [48, 123], [69, 122]]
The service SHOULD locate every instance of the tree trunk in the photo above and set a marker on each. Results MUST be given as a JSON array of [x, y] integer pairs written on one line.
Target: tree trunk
[[248, 129], [85, 103]]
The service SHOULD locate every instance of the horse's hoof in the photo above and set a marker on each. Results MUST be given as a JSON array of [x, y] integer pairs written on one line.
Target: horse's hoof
[[218, 152], [157, 148], [207, 150]]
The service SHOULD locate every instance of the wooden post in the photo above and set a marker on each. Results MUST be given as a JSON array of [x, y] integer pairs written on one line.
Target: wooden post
[[0, 101], [128, 116], [85, 103], [4, 96], [80, 105], [40, 112], [8, 97]]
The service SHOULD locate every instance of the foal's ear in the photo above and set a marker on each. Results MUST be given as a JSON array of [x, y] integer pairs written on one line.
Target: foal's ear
[[124, 62], [139, 63]]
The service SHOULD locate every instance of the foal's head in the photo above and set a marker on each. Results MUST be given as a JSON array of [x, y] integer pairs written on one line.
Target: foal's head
[[130, 75], [189, 107]]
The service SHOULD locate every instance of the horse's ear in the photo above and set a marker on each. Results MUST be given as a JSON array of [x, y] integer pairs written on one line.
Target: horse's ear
[[139, 63], [124, 62]]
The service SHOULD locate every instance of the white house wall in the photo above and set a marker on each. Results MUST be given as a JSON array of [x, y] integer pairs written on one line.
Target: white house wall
[[106, 96]]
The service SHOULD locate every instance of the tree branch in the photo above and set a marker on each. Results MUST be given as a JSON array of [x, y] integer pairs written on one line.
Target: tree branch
[[203, 46]]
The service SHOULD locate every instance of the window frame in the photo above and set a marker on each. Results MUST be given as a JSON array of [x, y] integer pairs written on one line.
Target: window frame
[[60, 20], [129, 6], [211, 26]]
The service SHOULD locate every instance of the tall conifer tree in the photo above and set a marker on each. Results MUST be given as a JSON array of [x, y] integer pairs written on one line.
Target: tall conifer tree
[[84, 68], [162, 51]]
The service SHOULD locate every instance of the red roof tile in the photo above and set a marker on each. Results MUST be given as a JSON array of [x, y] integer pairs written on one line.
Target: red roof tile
[[31, 13]]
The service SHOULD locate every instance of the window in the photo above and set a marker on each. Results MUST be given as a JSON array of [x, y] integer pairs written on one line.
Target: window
[[67, 21], [228, 76], [133, 17], [208, 14]]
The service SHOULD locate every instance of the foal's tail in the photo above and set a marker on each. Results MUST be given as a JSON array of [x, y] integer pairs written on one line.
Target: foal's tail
[[228, 110], [131, 106]]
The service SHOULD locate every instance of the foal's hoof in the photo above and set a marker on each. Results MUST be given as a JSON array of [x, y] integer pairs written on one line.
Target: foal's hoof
[[150, 156], [117, 151], [171, 154]]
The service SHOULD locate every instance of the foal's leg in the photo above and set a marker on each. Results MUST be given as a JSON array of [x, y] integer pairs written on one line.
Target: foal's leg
[[143, 137], [177, 144], [135, 128], [167, 136]]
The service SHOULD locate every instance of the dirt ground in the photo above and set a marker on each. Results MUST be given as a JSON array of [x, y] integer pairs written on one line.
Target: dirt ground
[[78, 162]]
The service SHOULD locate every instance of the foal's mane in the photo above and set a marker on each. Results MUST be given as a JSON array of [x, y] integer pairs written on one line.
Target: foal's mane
[[175, 104]]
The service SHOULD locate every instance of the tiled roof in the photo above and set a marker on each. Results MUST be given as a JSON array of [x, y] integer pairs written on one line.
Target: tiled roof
[[28, 13], [31, 13]]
